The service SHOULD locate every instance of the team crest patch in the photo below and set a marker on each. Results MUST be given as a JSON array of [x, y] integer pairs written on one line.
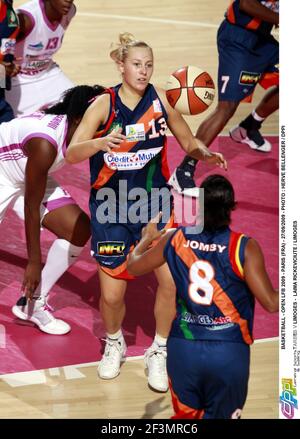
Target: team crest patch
[[12, 19], [115, 126], [249, 78], [135, 133], [110, 248]]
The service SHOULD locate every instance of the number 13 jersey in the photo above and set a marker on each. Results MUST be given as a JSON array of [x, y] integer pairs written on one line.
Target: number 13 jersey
[[141, 160]]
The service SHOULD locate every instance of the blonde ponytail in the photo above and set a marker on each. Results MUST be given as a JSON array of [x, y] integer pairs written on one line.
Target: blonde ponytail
[[126, 42]]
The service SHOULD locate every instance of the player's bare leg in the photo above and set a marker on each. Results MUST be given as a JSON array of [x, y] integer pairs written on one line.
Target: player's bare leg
[[72, 228], [112, 308], [164, 311]]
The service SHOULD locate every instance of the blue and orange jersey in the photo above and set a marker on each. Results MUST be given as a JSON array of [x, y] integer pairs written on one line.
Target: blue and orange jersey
[[213, 301], [235, 16], [9, 28], [141, 160]]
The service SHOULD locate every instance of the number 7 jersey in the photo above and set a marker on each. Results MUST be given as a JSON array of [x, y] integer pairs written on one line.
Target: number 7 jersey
[[212, 298]]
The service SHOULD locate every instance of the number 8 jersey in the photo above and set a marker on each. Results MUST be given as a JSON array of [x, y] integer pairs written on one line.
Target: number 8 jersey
[[212, 299]]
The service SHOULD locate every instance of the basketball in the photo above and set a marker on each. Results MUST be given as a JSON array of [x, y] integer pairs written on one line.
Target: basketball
[[190, 90]]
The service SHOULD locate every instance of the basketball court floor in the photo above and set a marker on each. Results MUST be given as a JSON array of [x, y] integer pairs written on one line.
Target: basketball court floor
[[44, 376]]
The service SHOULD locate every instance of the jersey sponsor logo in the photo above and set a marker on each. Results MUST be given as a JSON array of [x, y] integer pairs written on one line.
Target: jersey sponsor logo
[[37, 46], [156, 106], [35, 64], [55, 122], [124, 161], [110, 248], [135, 133], [206, 320], [249, 78], [205, 247], [8, 46]]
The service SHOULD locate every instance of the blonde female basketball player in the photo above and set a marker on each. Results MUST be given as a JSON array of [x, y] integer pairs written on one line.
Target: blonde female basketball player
[[40, 81], [135, 159]]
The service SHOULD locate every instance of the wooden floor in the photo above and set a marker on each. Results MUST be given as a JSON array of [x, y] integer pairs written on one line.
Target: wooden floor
[[76, 392], [181, 33]]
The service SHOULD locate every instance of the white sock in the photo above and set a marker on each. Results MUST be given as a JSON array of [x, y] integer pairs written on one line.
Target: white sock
[[116, 335], [61, 256], [257, 117], [161, 341]]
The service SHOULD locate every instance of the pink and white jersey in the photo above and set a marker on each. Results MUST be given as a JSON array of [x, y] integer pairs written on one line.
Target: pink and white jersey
[[15, 134], [43, 41]]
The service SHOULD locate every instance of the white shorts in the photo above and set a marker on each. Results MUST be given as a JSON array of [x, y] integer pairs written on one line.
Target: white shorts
[[31, 93], [13, 196]]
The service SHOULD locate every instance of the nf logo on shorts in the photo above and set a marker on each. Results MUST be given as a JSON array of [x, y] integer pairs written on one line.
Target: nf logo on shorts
[[249, 78], [123, 161], [110, 248], [135, 133]]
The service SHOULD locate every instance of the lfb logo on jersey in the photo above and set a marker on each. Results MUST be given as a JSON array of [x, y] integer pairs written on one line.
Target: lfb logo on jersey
[[52, 43], [110, 248], [135, 133]]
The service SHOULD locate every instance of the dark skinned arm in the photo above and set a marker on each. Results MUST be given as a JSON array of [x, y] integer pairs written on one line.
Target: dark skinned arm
[[257, 277], [143, 259], [26, 25], [257, 10], [41, 155]]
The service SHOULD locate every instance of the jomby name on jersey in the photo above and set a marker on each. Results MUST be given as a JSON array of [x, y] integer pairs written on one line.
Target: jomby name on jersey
[[205, 247]]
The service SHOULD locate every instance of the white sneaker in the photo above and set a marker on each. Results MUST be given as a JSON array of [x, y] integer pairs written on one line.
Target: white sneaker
[[114, 353], [252, 138], [39, 312], [155, 361], [182, 181]]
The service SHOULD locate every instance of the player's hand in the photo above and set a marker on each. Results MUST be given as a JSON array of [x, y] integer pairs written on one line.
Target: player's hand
[[32, 278], [11, 69], [216, 158], [150, 231], [111, 141]]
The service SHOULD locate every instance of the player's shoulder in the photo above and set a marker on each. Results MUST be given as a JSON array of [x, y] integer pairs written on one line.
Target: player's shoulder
[[32, 6], [39, 123], [103, 100]]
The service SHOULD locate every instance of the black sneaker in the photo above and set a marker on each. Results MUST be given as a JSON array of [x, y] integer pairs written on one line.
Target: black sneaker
[[182, 180], [251, 137]]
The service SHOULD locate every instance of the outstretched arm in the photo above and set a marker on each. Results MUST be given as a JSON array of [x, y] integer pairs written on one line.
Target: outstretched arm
[[191, 145], [257, 277], [143, 259], [83, 145], [41, 154]]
